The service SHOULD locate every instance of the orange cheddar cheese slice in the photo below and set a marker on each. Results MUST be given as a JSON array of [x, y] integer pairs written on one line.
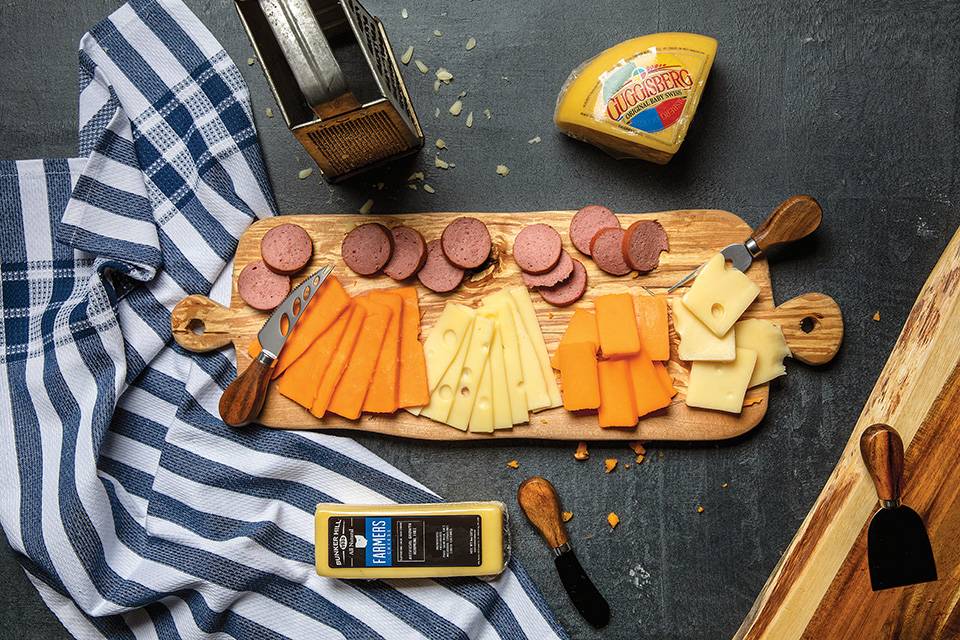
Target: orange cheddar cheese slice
[[617, 405], [382, 395], [653, 325], [302, 378], [412, 386], [338, 363], [579, 379], [581, 328], [617, 325]]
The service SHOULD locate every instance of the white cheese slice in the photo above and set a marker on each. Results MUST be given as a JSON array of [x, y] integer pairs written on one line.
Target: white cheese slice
[[440, 347], [697, 341], [442, 396], [719, 295], [534, 384], [481, 418], [499, 380], [525, 304], [511, 362], [767, 340], [465, 388], [721, 385]]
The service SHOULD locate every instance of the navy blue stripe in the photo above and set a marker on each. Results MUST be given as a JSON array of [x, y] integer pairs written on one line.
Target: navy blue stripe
[[424, 620], [163, 622], [134, 481], [131, 252], [130, 61], [535, 599], [138, 427], [488, 600], [161, 385], [124, 204], [180, 269]]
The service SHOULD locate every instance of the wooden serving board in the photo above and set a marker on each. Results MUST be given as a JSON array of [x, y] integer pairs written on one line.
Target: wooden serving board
[[821, 586], [811, 323]]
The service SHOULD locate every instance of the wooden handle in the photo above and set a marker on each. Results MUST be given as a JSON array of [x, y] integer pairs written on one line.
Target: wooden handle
[[241, 402], [541, 504], [795, 218], [812, 325], [200, 324], [882, 451]]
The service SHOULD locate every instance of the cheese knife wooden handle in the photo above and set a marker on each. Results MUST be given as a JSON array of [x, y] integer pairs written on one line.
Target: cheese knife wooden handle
[[242, 400], [795, 218], [882, 451], [541, 504]]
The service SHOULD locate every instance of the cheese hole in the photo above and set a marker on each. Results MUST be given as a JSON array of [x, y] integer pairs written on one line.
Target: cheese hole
[[483, 403], [445, 392], [466, 374], [809, 324], [465, 392], [717, 310], [449, 337]]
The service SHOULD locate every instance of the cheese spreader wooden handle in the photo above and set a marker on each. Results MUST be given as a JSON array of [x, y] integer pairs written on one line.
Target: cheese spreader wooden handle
[[882, 451], [541, 504], [795, 218]]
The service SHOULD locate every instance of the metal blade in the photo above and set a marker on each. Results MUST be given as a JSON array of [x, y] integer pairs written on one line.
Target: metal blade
[[737, 253], [898, 549], [583, 594], [275, 330]]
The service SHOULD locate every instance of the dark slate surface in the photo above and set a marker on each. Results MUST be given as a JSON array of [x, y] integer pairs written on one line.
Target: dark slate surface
[[855, 105]]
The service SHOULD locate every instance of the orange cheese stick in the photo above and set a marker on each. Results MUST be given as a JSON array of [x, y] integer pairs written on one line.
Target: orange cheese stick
[[412, 387], [347, 399], [582, 328], [617, 325], [579, 379], [652, 325], [339, 360], [617, 405], [301, 380], [382, 394], [648, 391]]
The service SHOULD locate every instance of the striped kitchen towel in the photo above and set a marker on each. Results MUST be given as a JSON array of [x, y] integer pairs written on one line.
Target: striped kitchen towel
[[133, 509]]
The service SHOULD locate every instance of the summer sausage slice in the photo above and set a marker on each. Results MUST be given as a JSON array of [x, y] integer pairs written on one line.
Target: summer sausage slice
[[642, 244], [562, 271], [409, 253], [569, 291], [537, 248], [261, 288], [607, 251], [367, 248], [587, 223], [439, 274], [466, 242], [286, 249]]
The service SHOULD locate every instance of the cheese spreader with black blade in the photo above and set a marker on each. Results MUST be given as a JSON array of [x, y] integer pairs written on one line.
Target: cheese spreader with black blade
[[242, 400], [795, 218], [541, 504], [898, 547]]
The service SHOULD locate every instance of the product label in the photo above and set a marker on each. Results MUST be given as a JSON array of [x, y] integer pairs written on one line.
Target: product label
[[648, 92], [431, 541]]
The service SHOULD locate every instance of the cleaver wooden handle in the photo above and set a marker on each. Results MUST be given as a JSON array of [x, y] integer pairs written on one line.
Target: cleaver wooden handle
[[882, 451], [541, 504]]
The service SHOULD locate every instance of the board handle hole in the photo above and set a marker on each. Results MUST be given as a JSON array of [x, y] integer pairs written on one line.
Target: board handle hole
[[196, 326], [809, 324]]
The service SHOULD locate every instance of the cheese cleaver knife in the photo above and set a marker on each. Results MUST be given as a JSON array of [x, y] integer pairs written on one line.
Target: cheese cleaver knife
[[242, 400], [541, 504], [898, 548], [795, 218]]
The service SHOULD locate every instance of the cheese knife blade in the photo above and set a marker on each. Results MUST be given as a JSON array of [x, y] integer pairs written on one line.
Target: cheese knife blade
[[795, 218], [541, 504], [243, 398]]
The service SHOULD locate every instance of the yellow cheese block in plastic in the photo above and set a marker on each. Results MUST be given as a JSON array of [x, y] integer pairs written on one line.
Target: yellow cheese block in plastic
[[637, 99]]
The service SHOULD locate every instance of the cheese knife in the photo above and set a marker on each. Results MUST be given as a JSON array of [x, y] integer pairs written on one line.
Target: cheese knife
[[541, 504], [795, 218], [242, 400], [898, 547]]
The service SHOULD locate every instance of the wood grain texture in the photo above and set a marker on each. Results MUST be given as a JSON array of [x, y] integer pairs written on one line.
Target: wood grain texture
[[540, 503], [812, 325], [882, 451], [821, 586]]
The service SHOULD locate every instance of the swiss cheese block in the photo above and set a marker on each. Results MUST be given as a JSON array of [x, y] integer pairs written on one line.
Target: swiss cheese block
[[767, 340], [465, 392], [636, 100], [697, 341], [442, 344], [719, 295], [411, 540], [721, 385]]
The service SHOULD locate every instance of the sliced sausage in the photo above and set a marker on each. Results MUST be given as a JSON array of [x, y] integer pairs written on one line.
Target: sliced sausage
[[439, 274], [562, 271], [286, 249], [260, 287], [367, 248], [537, 248], [642, 244], [569, 291], [466, 242], [607, 251], [587, 222], [409, 253]]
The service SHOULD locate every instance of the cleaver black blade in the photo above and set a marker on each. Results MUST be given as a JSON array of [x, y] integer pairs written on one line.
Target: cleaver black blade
[[898, 547], [583, 594]]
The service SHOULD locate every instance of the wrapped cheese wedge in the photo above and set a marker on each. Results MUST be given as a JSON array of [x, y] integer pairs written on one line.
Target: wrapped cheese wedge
[[637, 99]]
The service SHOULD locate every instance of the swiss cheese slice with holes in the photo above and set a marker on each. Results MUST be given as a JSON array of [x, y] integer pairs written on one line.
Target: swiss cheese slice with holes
[[719, 295]]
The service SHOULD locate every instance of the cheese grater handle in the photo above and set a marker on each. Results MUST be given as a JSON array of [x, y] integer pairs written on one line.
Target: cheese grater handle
[[308, 53]]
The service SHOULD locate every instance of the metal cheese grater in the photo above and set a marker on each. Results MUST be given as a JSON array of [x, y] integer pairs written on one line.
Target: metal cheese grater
[[335, 79]]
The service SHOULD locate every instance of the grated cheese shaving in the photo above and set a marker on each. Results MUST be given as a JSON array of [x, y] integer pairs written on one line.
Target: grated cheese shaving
[[404, 14], [456, 108], [407, 55], [471, 43], [441, 144], [367, 206], [423, 68], [502, 170], [444, 76], [269, 112], [440, 164], [428, 188], [304, 173], [470, 119]]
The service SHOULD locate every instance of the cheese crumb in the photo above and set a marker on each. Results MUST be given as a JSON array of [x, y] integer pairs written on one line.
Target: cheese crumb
[[456, 108], [876, 316], [533, 140], [404, 14], [441, 144], [566, 515], [699, 509], [428, 188], [444, 76], [367, 206], [724, 485], [471, 43], [470, 119], [610, 464], [486, 112], [513, 463], [440, 164], [582, 453], [251, 61], [269, 112], [305, 173], [437, 114], [418, 175], [613, 519], [412, 186], [423, 68], [407, 55], [436, 86], [502, 170], [437, 33]]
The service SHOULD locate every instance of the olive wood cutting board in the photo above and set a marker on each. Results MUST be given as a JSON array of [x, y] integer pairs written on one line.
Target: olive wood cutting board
[[811, 323], [821, 586]]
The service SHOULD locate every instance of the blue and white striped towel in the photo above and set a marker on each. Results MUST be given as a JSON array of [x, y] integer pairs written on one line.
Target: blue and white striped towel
[[134, 510]]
